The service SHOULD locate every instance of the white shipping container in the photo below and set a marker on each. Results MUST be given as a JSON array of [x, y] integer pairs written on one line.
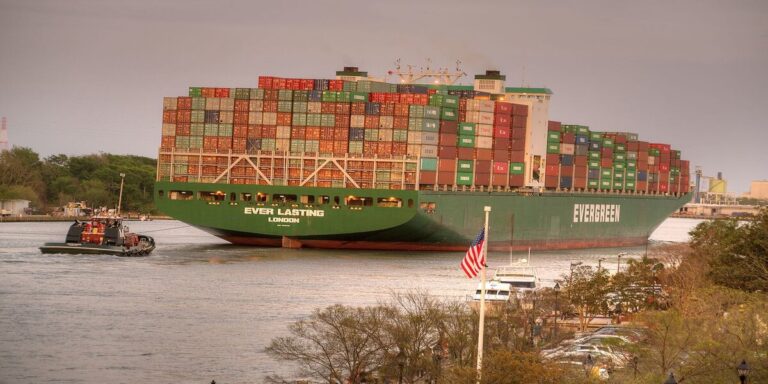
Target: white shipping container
[[428, 151], [386, 122], [651, 160], [484, 130], [169, 103], [283, 132], [414, 137], [357, 121], [567, 149], [484, 142], [486, 106], [270, 118], [413, 150], [212, 103], [430, 138], [256, 117], [472, 116], [314, 107], [283, 144], [385, 135], [169, 130], [473, 105], [485, 118], [227, 104], [256, 105], [226, 117]]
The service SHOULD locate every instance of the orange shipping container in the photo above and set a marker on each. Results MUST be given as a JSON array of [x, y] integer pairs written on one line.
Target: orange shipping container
[[169, 117]]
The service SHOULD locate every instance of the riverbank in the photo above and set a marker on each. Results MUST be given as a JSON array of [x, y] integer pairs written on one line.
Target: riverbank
[[49, 218]]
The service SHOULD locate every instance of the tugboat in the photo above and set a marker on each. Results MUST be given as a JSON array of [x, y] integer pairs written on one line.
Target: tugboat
[[102, 235]]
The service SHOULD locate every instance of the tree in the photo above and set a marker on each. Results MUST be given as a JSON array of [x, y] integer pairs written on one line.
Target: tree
[[339, 343], [587, 290]]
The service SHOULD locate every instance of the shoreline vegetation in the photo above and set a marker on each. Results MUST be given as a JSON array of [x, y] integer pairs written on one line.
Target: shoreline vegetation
[[56, 180], [696, 310]]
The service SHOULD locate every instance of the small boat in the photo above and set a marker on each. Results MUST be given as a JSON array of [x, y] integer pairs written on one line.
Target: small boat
[[497, 296], [102, 235], [521, 276]]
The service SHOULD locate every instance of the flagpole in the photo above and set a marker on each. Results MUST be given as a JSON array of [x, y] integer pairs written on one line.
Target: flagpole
[[481, 327]]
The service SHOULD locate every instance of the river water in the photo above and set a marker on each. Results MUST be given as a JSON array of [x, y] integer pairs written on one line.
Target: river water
[[199, 309]]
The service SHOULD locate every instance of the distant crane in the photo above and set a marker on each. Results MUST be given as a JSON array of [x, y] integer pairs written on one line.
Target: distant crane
[[440, 75], [4, 136]]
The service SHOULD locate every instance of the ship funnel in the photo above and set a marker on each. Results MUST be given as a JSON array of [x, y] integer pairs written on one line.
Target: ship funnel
[[491, 82], [351, 74]]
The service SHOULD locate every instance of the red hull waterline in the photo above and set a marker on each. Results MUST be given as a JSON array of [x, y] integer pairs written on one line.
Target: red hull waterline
[[288, 242]]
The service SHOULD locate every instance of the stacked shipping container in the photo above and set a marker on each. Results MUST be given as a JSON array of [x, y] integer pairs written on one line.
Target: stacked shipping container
[[292, 126], [580, 159]]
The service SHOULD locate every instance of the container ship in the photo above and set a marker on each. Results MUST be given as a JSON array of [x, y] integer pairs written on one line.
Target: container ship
[[356, 163]]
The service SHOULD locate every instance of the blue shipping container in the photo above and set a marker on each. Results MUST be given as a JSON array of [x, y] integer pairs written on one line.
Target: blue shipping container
[[566, 159], [372, 108]]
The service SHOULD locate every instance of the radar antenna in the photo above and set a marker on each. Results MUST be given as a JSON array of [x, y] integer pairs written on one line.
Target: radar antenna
[[439, 75]]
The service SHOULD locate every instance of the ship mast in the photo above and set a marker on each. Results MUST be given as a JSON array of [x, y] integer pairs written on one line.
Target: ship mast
[[440, 75]]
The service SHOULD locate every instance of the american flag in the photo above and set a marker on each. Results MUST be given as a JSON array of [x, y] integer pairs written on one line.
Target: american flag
[[474, 260]]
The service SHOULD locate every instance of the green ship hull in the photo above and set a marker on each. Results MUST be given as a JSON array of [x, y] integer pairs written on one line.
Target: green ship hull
[[352, 218]]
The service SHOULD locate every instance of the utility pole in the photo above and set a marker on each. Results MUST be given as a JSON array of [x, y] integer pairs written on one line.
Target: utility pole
[[120, 199], [4, 135]]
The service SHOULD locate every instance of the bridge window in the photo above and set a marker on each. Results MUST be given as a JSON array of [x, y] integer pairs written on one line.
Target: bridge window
[[246, 196], [389, 202], [233, 196], [428, 207], [336, 200], [410, 203], [212, 196], [281, 198], [324, 199], [160, 193], [307, 199], [261, 197], [357, 201], [181, 195]]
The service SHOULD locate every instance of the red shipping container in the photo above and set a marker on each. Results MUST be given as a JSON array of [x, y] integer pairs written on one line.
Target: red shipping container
[[552, 170], [449, 126], [484, 154], [279, 83], [502, 121], [501, 167], [312, 133], [501, 132], [448, 139], [210, 142], [580, 171], [500, 155], [221, 92], [517, 145], [392, 98], [371, 121], [446, 178], [183, 116], [580, 182], [566, 170], [284, 118], [664, 167], [465, 153], [632, 146], [606, 162], [606, 153], [568, 138], [447, 152], [184, 103], [242, 105], [663, 187], [519, 121], [399, 149], [551, 181], [183, 129], [167, 142], [502, 108], [169, 117], [401, 122], [483, 166], [403, 109], [208, 92], [641, 185], [517, 133], [240, 118], [554, 126], [341, 121], [384, 148], [519, 110], [265, 82], [501, 143], [517, 156], [240, 131], [357, 109], [224, 143], [340, 147], [342, 109], [269, 131], [239, 144], [254, 131], [341, 134], [327, 107], [405, 98], [326, 146], [269, 105], [298, 132], [499, 180], [482, 178], [427, 177], [387, 109], [553, 158], [580, 161], [517, 180], [446, 165]]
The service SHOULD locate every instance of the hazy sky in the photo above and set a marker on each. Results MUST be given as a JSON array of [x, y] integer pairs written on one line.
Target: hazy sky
[[79, 77]]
